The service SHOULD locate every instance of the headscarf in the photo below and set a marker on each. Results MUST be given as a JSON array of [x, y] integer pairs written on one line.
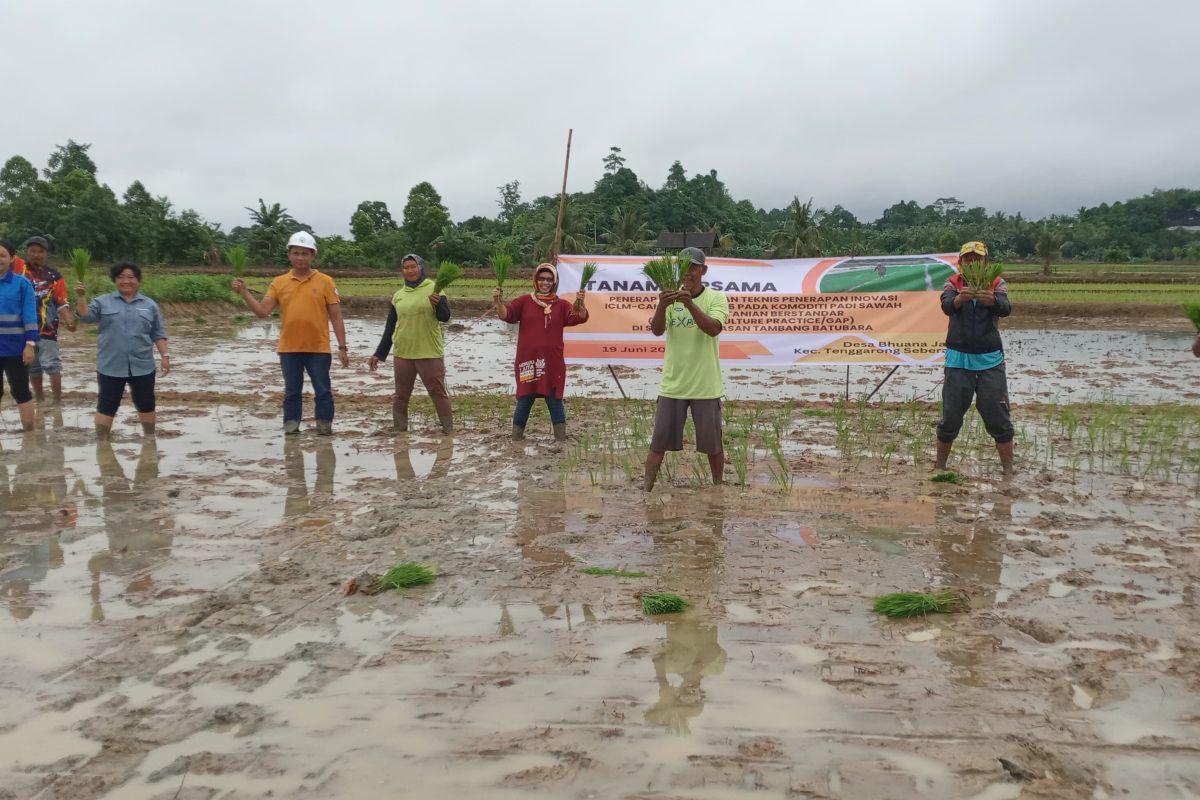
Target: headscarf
[[546, 301], [420, 263]]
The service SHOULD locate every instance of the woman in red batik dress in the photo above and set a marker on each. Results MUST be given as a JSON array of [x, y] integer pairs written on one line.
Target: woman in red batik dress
[[540, 368]]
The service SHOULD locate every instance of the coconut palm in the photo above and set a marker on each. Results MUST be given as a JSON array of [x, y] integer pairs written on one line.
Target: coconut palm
[[1049, 247], [574, 237], [799, 236], [628, 233]]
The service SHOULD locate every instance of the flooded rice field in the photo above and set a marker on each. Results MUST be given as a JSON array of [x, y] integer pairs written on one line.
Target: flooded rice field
[[175, 621], [1063, 364]]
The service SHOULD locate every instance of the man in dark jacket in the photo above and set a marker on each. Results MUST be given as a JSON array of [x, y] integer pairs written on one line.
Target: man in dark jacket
[[975, 359]]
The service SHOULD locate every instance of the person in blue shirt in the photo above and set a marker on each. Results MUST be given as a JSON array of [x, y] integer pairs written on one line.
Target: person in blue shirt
[[131, 327], [975, 360], [18, 334]]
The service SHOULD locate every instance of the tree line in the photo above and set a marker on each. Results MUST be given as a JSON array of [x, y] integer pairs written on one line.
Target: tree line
[[622, 213]]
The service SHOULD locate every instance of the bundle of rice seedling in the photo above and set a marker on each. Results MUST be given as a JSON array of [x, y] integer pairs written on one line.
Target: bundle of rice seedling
[[980, 275], [668, 272], [237, 259], [914, 604], [947, 477], [501, 263], [612, 572], [80, 259], [663, 604], [589, 272], [405, 575], [1193, 313], [448, 272]]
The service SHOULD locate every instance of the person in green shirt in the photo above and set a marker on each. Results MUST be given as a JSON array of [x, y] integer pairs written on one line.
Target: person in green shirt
[[414, 333], [692, 319]]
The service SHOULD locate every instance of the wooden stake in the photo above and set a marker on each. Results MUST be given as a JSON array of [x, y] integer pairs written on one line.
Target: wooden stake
[[562, 202]]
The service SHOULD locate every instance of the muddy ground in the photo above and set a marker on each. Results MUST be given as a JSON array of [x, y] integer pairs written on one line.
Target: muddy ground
[[175, 623]]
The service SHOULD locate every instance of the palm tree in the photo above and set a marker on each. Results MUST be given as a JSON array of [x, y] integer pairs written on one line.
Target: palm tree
[[272, 226], [1049, 246], [574, 237], [628, 233], [799, 237]]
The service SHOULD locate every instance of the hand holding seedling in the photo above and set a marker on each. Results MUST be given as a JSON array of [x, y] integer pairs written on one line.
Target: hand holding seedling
[[239, 286], [80, 289], [434, 298], [986, 297]]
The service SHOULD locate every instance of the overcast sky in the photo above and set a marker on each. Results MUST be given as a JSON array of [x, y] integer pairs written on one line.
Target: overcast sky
[[1018, 105]]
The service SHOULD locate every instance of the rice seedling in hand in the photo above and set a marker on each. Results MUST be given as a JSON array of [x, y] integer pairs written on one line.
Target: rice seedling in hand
[[947, 477], [915, 604], [980, 275], [405, 575], [668, 271], [589, 272], [663, 604], [612, 572], [237, 259], [448, 272], [80, 260], [1193, 313], [501, 263]]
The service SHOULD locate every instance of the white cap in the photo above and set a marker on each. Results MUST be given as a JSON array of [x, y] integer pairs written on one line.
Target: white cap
[[303, 239]]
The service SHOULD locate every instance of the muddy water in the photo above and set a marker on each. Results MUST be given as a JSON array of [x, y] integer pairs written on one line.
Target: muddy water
[[1061, 365], [174, 624], [181, 629]]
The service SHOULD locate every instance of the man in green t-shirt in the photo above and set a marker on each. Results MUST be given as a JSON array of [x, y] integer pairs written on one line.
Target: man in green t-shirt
[[692, 319]]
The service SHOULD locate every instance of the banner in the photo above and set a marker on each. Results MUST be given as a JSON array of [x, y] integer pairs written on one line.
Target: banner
[[862, 310]]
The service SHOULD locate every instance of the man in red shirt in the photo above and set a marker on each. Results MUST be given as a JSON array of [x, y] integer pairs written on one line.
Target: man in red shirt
[[53, 304]]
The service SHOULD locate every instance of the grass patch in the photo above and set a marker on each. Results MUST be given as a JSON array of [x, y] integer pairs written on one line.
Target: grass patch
[[914, 604], [663, 604], [612, 572], [947, 477], [1146, 293], [402, 576]]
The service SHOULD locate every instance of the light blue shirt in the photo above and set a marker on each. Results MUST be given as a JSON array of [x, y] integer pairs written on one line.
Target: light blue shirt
[[128, 331], [976, 362]]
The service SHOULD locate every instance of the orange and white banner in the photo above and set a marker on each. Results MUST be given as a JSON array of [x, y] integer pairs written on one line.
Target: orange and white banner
[[862, 310]]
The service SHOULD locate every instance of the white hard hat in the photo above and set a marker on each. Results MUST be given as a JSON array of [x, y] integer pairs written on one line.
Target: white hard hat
[[303, 239]]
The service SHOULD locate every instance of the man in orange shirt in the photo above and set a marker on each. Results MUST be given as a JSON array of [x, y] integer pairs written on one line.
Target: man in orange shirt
[[308, 302]]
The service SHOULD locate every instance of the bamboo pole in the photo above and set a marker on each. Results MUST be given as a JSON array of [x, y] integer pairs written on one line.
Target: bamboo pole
[[562, 202]]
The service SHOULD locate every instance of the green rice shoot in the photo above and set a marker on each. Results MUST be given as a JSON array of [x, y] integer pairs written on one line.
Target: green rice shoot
[[915, 604], [1193, 313], [501, 263], [80, 260], [238, 257], [663, 604], [980, 275], [612, 572], [589, 272], [402, 576], [668, 271], [448, 272], [947, 477]]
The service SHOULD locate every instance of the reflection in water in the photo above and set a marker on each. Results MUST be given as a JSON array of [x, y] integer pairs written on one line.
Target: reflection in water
[[691, 556], [971, 553], [33, 497], [691, 652], [138, 537], [428, 461], [541, 511], [298, 500]]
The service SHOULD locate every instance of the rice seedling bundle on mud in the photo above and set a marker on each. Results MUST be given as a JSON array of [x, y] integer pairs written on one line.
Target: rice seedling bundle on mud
[[916, 604], [448, 272], [980, 275], [402, 576], [668, 272], [663, 604], [947, 477], [80, 260]]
